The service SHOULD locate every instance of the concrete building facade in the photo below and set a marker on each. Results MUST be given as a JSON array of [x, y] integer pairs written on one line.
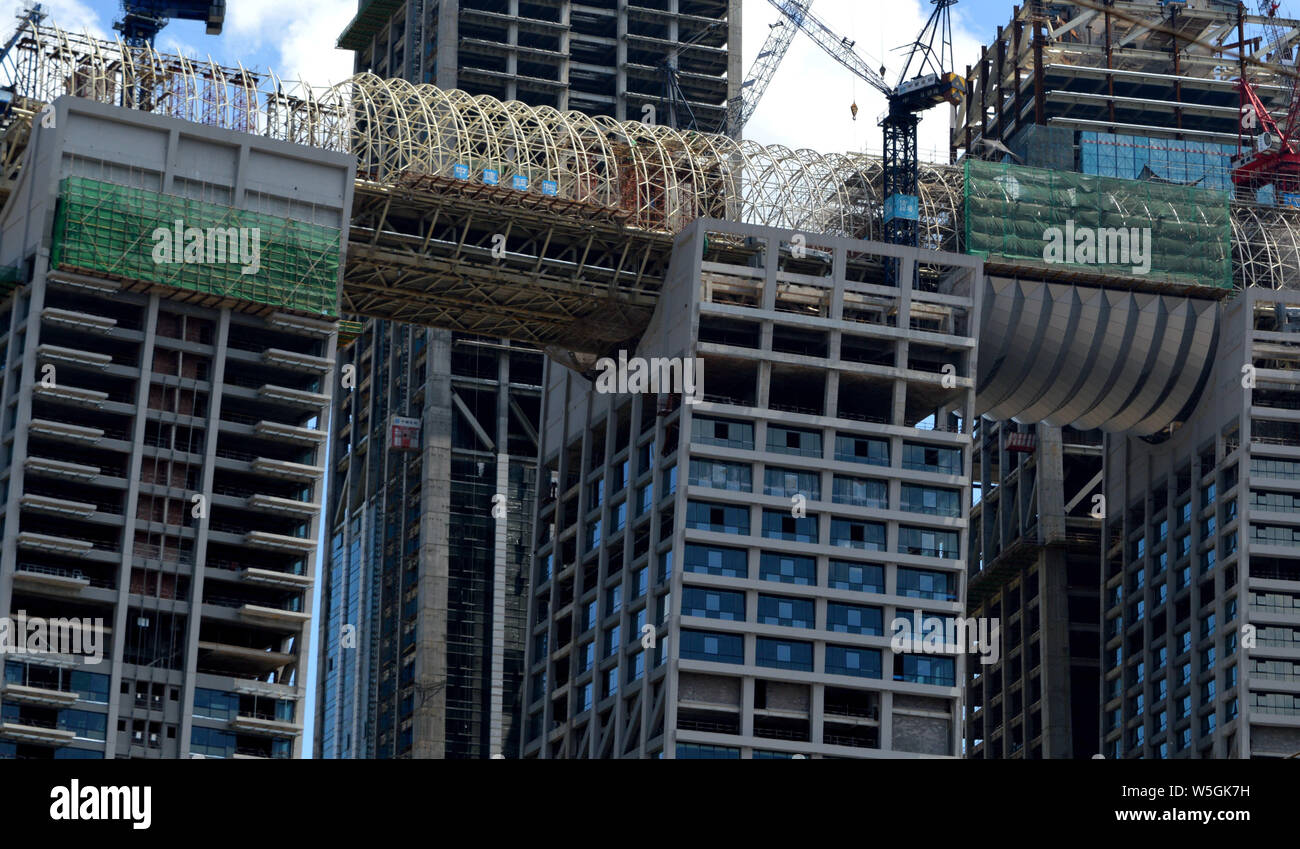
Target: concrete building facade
[[164, 429], [1201, 628], [718, 579], [432, 585]]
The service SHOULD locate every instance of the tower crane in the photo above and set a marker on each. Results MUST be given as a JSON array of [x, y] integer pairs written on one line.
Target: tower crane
[[142, 19], [741, 107], [1268, 153], [930, 56]]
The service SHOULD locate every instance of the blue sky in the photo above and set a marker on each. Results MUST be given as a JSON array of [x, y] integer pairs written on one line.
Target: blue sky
[[807, 104]]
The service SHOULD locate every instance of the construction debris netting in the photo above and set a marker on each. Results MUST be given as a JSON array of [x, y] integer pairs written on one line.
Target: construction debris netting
[[1158, 231], [111, 230]]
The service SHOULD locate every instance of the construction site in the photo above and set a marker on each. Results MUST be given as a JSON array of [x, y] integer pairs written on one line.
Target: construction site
[[1098, 449]]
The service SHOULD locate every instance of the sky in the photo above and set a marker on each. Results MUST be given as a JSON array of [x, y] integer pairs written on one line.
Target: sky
[[807, 104]]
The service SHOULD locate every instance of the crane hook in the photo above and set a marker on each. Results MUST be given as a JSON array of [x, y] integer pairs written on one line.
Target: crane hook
[[854, 109]]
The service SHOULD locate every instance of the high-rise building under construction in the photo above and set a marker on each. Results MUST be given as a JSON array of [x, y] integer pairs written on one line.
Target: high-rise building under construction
[[424, 600], [1195, 517], [167, 337]]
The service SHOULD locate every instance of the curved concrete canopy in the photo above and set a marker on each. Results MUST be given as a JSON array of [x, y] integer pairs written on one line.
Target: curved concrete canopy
[[1125, 362]]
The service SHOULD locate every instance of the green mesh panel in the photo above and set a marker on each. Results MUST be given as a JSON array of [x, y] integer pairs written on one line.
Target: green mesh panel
[[1010, 210], [106, 229]]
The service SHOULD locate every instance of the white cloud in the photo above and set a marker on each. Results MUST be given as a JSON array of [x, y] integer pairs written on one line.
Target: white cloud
[[807, 103], [299, 36], [70, 15]]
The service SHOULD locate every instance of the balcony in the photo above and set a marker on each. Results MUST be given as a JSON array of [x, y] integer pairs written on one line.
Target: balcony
[[274, 504], [297, 323], [258, 614], [272, 578], [294, 360], [265, 724], [32, 731], [69, 394], [55, 544], [29, 576], [78, 320], [287, 470], [71, 355], [60, 506], [61, 469], [42, 696], [279, 542], [290, 433], [63, 430], [297, 397], [231, 658]]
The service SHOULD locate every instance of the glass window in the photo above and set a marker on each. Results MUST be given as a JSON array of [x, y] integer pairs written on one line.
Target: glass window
[[790, 440], [931, 500], [860, 663], [706, 645], [730, 434], [790, 612], [717, 474], [713, 604], [926, 669], [861, 492], [784, 654], [787, 569], [701, 751], [854, 619], [790, 482], [779, 524], [923, 583], [928, 542], [869, 536], [860, 577], [719, 518], [215, 704], [931, 458], [860, 449], [710, 560]]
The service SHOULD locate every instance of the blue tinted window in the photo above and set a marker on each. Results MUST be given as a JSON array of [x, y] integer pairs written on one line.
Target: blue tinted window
[[711, 560], [784, 654], [713, 604], [845, 660], [854, 619], [721, 518], [719, 648], [861, 577], [787, 569], [778, 524], [790, 612]]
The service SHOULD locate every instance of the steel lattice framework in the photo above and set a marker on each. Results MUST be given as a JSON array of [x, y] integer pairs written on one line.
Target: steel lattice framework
[[585, 229]]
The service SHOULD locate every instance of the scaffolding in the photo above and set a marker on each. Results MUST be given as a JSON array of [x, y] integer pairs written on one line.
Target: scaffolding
[[217, 251], [1163, 232], [648, 178]]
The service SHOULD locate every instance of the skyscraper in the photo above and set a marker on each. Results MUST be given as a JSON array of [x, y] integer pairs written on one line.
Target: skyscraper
[[720, 579], [167, 341], [424, 601]]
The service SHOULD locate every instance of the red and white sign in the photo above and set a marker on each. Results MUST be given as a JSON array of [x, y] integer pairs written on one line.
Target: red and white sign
[[404, 434]]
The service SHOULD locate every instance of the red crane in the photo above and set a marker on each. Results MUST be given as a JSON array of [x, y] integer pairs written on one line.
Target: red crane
[[1268, 153]]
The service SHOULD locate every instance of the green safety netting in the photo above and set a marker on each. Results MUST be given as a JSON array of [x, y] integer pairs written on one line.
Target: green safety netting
[[105, 228], [1101, 224]]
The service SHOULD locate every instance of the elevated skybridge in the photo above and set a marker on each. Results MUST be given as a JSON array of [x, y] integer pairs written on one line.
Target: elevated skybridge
[[557, 228]]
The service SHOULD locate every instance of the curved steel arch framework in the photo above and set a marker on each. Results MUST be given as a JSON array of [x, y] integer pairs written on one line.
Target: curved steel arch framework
[[657, 178]]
